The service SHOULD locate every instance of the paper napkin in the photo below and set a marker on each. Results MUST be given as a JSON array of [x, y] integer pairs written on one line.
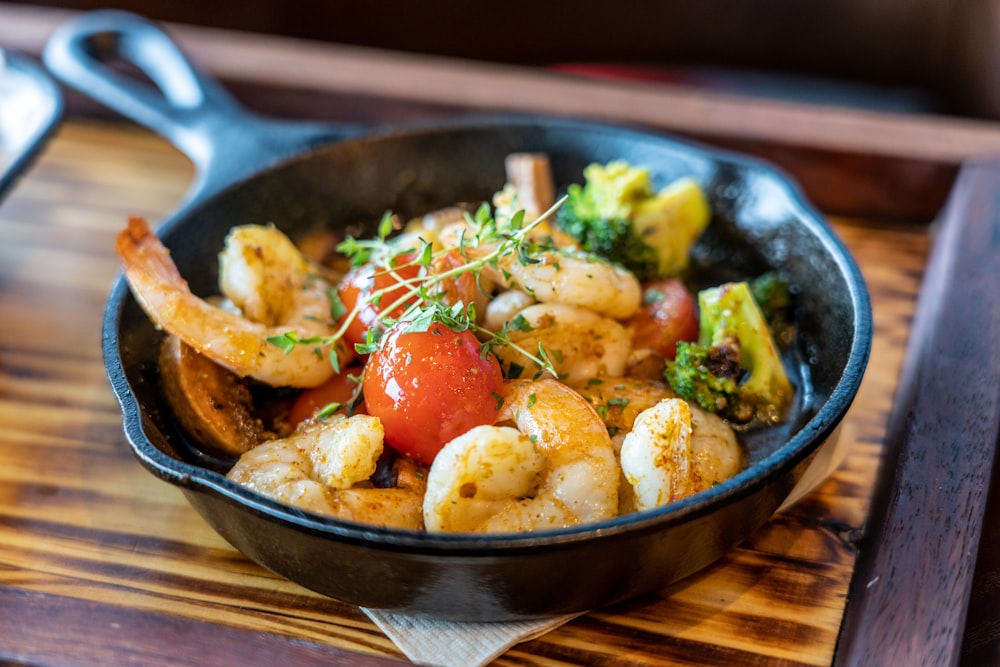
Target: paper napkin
[[431, 642]]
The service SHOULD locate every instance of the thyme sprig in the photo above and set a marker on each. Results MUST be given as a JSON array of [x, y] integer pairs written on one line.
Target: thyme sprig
[[422, 299]]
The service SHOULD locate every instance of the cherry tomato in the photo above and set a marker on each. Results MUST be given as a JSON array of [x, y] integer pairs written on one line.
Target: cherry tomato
[[669, 315], [338, 389], [429, 387], [365, 280]]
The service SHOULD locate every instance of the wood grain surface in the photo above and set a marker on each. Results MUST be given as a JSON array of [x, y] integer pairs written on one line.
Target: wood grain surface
[[944, 431], [100, 563]]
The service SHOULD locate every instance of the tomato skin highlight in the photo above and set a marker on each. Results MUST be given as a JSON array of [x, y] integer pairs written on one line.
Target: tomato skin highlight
[[338, 389], [365, 280], [430, 387], [669, 315]]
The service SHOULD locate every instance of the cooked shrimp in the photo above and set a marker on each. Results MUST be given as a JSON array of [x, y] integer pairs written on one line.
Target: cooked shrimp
[[263, 274], [715, 453], [504, 307], [576, 279], [428, 229], [656, 454], [484, 477], [580, 344], [318, 467], [559, 274], [675, 450], [556, 470], [232, 340], [619, 400]]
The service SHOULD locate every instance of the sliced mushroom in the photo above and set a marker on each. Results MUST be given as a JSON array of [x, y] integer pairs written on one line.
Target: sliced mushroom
[[213, 405], [531, 176]]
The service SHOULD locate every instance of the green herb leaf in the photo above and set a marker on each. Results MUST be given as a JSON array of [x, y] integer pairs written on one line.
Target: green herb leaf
[[519, 323], [327, 410], [385, 226]]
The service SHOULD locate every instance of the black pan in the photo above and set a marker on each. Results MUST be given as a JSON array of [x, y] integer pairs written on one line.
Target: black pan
[[30, 108], [303, 176]]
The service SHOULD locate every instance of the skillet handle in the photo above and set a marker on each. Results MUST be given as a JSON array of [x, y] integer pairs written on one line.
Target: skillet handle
[[225, 141]]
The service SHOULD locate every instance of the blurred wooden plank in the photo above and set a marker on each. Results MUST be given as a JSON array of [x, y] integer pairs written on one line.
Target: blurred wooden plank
[[41, 628], [849, 161], [981, 639], [915, 573], [290, 63]]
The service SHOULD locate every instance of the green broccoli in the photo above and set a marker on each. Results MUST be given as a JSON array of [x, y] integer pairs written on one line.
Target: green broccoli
[[774, 296], [734, 368], [617, 215], [615, 239]]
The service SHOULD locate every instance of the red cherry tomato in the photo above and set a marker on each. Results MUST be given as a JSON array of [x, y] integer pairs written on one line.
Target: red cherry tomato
[[338, 389], [669, 315], [366, 280], [429, 387]]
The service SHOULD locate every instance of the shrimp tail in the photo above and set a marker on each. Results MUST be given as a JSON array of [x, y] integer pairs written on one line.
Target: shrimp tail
[[147, 265], [230, 339]]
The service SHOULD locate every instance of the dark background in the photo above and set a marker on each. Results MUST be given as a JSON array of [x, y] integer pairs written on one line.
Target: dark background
[[937, 56]]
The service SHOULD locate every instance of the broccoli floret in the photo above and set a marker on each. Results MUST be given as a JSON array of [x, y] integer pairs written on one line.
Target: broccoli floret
[[774, 296], [614, 239], [734, 368], [617, 215]]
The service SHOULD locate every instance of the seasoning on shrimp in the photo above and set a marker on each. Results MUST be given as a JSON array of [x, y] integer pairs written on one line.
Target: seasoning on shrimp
[[581, 343], [556, 469], [577, 279]]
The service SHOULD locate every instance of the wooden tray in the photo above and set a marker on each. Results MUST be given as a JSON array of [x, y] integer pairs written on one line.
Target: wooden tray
[[100, 563]]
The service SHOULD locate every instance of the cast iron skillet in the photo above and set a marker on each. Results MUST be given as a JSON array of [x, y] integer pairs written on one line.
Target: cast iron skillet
[[30, 108], [300, 176]]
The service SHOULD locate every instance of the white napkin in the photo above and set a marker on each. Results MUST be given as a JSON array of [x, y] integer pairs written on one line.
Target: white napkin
[[437, 643]]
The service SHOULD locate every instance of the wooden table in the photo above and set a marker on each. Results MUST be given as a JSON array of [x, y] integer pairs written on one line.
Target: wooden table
[[102, 564]]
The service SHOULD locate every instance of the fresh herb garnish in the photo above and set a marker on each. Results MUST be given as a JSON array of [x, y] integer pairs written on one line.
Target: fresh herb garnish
[[483, 245]]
